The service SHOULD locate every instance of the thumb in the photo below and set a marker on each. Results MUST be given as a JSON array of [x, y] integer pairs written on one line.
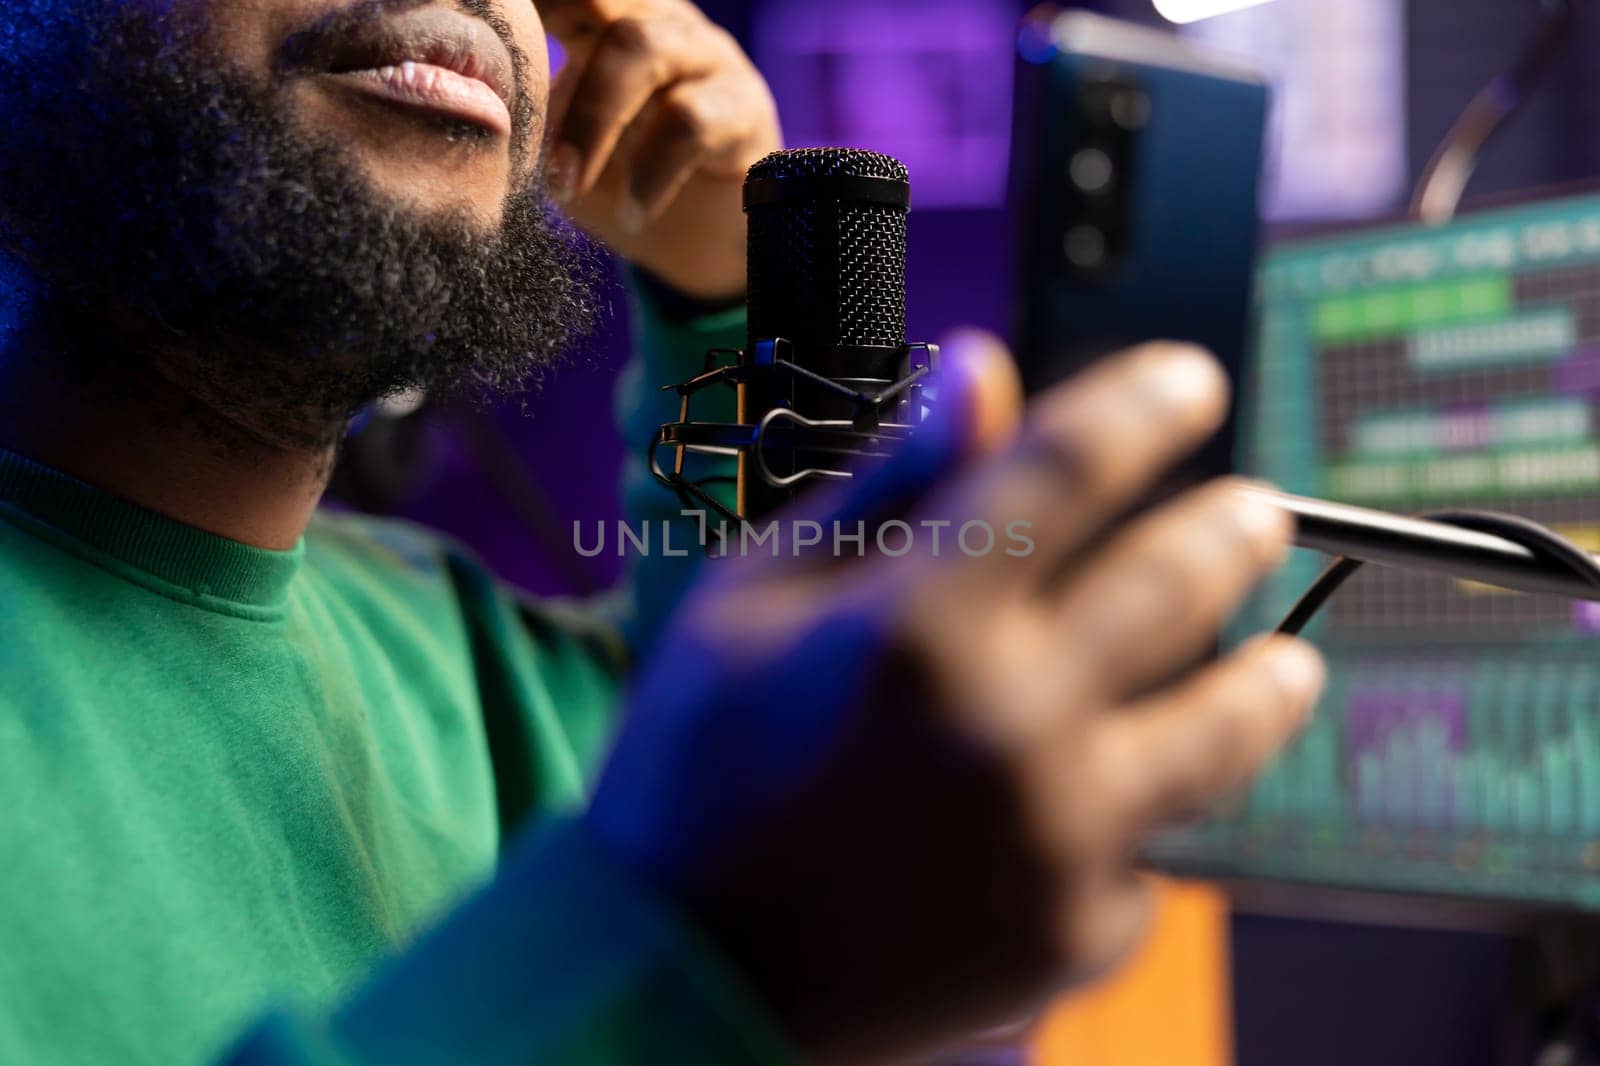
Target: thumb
[[974, 401], [991, 396]]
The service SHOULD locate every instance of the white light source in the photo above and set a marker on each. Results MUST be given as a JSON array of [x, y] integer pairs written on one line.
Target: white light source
[[1182, 11], [1338, 71]]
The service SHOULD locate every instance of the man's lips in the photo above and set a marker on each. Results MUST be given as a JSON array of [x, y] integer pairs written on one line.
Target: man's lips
[[432, 88], [432, 60]]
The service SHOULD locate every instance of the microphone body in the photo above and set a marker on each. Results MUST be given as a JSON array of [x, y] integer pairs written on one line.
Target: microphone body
[[827, 274], [826, 374]]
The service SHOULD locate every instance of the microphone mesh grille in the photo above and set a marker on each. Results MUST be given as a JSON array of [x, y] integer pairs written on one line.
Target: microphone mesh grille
[[831, 163], [828, 271]]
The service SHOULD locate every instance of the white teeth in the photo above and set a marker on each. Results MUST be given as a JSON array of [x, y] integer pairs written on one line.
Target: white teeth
[[417, 77], [404, 75]]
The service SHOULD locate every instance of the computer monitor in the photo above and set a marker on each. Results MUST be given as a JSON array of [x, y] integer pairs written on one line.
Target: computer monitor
[[1457, 751]]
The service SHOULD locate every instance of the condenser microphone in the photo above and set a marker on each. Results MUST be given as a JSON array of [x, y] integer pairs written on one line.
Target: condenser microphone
[[826, 375]]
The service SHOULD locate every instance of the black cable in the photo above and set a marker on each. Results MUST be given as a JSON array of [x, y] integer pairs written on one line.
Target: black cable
[[1443, 183], [1321, 590], [1537, 539]]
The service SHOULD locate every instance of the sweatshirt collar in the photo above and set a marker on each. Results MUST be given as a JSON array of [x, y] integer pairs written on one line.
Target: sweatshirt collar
[[126, 537]]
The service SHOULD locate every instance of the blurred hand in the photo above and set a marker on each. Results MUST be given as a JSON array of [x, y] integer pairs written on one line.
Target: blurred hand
[[654, 121], [905, 794]]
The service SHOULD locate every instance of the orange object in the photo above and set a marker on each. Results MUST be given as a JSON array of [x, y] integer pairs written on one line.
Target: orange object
[[1169, 1006]]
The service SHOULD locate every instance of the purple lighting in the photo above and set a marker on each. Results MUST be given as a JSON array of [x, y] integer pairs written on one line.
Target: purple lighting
[[1402, 746], [1579, 373], [926, 81]]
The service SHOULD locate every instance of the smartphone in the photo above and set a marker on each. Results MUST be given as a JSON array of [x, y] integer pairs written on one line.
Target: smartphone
[[1136, 181]]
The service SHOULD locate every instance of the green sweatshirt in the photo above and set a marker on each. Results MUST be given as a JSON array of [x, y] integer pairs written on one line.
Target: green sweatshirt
[[233, 777]]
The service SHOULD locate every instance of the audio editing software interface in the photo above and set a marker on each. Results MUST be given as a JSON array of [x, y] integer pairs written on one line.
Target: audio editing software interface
[[1457, 751]]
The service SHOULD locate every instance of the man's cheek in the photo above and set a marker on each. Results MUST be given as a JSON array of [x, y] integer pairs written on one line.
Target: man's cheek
[[243, 35], [528, 33], [534, 58]]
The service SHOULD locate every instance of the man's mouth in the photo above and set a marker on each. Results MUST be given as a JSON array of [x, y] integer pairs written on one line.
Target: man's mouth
[[433, 61]]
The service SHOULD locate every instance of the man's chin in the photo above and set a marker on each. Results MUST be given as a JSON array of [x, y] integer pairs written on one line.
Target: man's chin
[[285, 266]]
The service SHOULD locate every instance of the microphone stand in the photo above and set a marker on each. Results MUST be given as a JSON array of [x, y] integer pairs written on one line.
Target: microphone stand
[[1385, 539]]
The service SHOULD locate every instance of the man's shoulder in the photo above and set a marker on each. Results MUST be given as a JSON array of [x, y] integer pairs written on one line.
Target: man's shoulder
[[370, 559], [380, 542], [359, 553]]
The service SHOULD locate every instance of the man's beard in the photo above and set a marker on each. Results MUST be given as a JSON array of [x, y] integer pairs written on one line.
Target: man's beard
[[148, 192]]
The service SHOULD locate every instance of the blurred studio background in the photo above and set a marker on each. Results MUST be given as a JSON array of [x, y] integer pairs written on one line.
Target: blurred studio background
[[1365, 91]]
